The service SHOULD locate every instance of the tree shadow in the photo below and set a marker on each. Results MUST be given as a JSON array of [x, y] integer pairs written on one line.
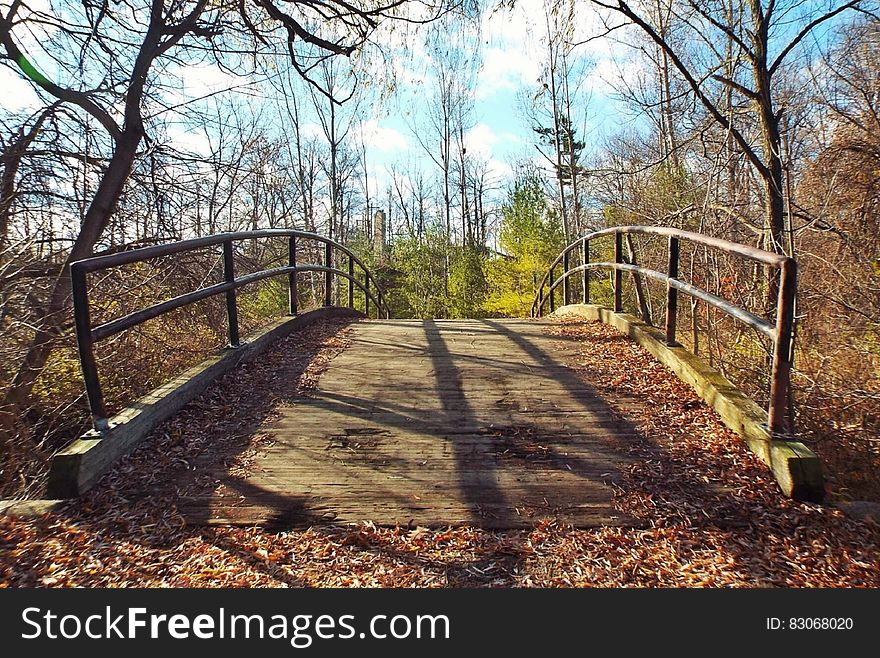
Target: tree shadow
[[538, 447]]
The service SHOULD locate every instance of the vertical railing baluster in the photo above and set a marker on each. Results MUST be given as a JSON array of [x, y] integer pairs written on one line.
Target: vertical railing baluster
[[536, 307], [328, 275], [381, 302], [552, 291], [566, 298], [366, 293], [618, 273], [350, 281], [291, 278], [780, 376], [586, 275], [83, 323], [231, 295], [672, 293]]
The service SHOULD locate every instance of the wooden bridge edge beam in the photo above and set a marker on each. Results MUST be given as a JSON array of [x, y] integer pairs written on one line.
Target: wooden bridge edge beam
[[797, 469], [80, 465]]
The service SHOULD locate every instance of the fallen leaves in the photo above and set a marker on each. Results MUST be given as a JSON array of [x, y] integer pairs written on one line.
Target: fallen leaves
[[713, 515]]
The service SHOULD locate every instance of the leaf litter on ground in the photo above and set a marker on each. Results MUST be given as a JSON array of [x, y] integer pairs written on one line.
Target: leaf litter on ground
[[712, 514]]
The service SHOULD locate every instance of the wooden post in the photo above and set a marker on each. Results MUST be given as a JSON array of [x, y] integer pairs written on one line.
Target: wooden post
[[350, 281], [780, 376], [641, 295], [566, 299], [366, 294], [328, 275], [231, 295], [618, 274], [586, 248], [381, 304], [83, 323], [552, 291], [672, 293], [291, 278]]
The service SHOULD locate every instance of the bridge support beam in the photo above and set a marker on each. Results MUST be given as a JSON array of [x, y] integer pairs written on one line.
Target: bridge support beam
[[328, 275]]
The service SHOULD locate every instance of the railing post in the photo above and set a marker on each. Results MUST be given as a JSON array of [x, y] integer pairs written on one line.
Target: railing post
[[366, 293], [328, 275], [566, 299], [536, 310], [291, 278], [672, 293], [83, 323], [586, 261], [350, 281], [618, 274], [780, 376], [552, 291], [231, 295], [381, 304]]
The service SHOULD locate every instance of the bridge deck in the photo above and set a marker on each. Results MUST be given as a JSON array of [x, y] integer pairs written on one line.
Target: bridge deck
[[435, 423]]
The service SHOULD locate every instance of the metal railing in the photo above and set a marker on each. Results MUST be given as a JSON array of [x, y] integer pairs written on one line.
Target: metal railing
[[779, 331], [87, 335]]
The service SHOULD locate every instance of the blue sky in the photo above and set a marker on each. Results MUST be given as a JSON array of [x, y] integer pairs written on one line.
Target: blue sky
[[512, 65], [512, 61]]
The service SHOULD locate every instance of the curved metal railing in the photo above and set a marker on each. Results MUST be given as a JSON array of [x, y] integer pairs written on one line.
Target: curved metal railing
[[779, 331], [87, 335]]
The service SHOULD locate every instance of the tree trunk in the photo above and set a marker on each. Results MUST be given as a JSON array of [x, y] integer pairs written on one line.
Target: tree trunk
[[97, 217], [11, 160], [771, 145]]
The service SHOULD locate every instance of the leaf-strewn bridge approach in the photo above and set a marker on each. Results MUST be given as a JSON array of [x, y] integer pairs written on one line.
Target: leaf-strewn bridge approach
[[430, 422]]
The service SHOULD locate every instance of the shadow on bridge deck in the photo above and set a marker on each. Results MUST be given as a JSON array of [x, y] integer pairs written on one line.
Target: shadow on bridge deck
[[434, 423]]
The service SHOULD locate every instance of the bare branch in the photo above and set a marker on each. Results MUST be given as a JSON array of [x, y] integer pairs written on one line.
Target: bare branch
[[809, 28], [78, 98]]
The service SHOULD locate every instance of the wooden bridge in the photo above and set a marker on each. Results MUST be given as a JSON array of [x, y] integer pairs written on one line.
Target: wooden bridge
[[435, 423], [432, 422]]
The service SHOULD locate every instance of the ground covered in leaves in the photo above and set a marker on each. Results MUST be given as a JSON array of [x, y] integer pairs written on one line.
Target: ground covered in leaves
[[712, 513]]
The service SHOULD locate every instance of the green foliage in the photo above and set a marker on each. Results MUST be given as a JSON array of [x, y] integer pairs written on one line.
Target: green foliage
[[531, 238], [431, 278], [467, 283], [269, 300], [422, 265], [656, 198], [570, 147]]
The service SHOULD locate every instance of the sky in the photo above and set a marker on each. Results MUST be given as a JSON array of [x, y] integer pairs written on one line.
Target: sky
[[511, 56]]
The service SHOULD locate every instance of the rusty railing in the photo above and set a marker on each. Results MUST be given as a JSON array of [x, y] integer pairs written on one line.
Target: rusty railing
[[87, 335], [779, 331]]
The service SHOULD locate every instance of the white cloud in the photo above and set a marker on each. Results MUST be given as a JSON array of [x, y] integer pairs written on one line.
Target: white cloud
[[382, 138], [481, 141], [311, 130], [499, 170], [189, 140], [206, 79], [18, 94], [506, 69]]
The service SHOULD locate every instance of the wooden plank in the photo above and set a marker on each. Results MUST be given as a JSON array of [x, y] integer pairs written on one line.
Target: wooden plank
[[434, 424], [797, 470], [76, 468]]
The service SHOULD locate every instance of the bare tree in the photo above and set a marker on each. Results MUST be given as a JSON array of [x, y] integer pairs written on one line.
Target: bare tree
[[766, 36]]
